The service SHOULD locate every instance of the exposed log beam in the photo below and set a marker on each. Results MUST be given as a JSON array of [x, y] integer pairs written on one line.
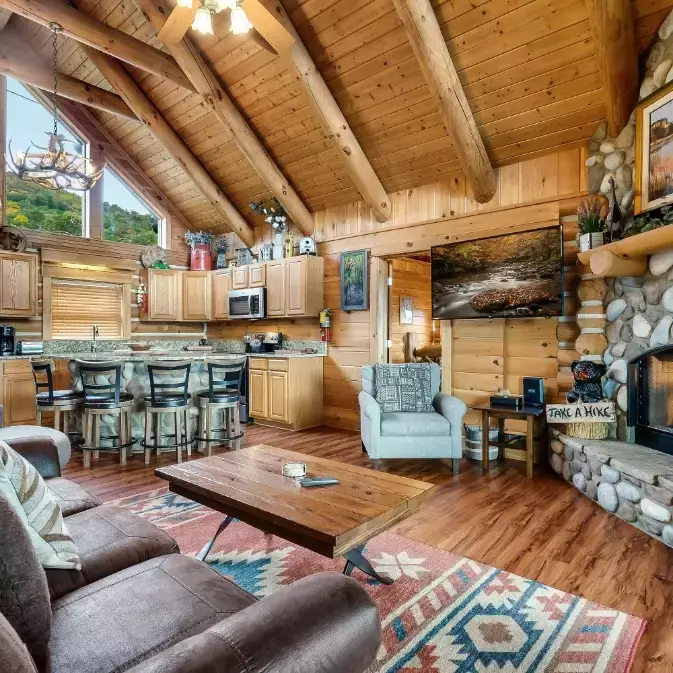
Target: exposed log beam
[[206, 83], [333, 121], [5, 16], [267, 25], [123, 83], [613, 27], [99, 35], [437, 67], [607, 265], [19, 61], [177, 24]]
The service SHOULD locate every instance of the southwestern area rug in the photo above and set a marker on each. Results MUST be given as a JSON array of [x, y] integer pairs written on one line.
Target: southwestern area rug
[[443, 614]]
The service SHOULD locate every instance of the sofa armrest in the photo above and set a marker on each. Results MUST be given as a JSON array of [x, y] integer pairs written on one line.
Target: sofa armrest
[[325, 623], [40, 452], [370, 408], [454, 411]]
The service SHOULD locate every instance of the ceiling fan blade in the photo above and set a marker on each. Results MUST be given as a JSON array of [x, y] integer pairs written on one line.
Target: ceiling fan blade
[[261, 16], [177, 23]]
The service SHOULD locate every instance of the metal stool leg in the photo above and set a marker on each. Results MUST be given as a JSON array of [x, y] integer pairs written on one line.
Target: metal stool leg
[[122, 438], [178, 434], [148, 436]]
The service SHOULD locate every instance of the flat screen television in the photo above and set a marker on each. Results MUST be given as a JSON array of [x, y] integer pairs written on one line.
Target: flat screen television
[[509, 276]]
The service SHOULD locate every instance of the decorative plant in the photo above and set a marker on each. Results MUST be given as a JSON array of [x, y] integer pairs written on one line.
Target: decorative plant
[[654, 219], [273, 213], [221, 244], [591, 214], [198, 238]]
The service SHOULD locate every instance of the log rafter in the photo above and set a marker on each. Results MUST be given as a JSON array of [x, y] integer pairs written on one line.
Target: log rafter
[[612, 24], [432, 54], [19, 61], [136, 99], [207, 85]]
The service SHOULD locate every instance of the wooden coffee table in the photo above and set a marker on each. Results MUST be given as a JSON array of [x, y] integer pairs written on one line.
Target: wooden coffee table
[[331, 520]]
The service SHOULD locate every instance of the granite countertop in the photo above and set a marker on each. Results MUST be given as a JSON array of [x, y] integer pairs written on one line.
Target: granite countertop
[[168, 356]]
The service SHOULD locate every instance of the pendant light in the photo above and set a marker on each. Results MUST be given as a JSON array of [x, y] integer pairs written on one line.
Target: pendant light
[[53, 167], [240, 24], [203, 21]]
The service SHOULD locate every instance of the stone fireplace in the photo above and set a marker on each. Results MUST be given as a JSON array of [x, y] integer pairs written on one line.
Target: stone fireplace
[[650, 398]]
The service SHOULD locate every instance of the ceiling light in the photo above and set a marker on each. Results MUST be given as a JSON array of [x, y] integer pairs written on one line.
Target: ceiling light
[[239, 21], [187, 4], [225, 4], [203, 21]]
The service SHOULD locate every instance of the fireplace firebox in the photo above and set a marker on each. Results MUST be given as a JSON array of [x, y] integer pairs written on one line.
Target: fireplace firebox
[[650, 398]]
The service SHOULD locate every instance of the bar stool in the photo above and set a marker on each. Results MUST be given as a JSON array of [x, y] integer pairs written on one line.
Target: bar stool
[[168, 394], [101, 385], [60, 402], [223, 393]]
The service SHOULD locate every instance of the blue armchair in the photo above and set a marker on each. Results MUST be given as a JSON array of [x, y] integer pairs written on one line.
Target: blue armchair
[[411, 434]]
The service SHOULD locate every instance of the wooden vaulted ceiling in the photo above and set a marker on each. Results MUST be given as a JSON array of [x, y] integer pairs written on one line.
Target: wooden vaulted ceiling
[[528, 67]]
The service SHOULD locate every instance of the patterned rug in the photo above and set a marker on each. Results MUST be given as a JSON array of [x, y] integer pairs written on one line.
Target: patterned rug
[[443, 614]]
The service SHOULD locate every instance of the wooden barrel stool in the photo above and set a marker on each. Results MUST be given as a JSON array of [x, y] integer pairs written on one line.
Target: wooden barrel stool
[[101, 385], [223, 394]]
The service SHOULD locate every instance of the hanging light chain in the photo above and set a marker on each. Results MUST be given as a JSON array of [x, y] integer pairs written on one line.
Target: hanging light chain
[[55, 30]]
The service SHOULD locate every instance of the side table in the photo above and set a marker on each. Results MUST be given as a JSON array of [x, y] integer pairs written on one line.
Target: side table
[[531, 414]]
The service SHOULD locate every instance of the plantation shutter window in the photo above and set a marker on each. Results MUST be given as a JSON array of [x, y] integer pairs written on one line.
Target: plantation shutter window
[[76, 306]]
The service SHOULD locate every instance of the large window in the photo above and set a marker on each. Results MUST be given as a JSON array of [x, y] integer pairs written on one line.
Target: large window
[[76, 306], [29, 205], [127, 219]]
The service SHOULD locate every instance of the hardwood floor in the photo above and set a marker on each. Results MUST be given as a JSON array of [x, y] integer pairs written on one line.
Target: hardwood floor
[[542, 528]]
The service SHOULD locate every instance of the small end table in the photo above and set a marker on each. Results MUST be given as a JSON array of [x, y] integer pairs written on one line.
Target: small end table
[[530, 413]]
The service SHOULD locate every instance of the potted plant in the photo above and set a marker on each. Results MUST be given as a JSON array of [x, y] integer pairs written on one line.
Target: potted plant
[[273, 213], [591, 215], [221, 246], [200, 258]]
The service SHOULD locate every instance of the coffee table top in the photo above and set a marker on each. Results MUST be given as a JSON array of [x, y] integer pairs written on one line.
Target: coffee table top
[[330, 520]]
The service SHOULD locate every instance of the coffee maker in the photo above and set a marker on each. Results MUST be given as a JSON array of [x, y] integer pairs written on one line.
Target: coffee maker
[[7, 335]]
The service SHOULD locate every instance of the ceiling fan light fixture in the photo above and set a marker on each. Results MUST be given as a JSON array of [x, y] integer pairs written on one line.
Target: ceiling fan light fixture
[[225, 4], [203, 21], [187, 4], [240, 24]]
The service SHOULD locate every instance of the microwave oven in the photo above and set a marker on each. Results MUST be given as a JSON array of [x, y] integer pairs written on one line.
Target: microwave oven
[[250, 303]]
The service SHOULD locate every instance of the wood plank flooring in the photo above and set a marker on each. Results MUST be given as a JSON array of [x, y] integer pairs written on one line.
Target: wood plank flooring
[[542, 528]]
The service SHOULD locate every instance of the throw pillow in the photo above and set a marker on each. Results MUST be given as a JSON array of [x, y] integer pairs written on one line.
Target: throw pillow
[[29, 496], [405, 387]]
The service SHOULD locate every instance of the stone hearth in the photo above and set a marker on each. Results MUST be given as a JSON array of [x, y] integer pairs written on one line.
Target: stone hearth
[[632, 481]]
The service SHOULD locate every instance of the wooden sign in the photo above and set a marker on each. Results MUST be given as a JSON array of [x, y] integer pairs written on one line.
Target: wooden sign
[[598, 412]]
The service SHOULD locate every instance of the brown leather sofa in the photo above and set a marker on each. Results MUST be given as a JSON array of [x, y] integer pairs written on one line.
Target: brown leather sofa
[[139, 606]]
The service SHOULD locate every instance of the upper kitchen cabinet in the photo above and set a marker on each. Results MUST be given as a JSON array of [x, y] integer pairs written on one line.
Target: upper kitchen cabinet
[[18, 285], [303, 286], [197, 303], [164, 295], [239, 277], [221, 282]]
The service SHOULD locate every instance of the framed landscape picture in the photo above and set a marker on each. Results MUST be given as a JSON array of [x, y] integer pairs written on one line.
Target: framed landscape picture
[[654, 151], [354, 281]]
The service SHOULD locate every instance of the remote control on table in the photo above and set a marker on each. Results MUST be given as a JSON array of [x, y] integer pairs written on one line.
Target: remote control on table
[[318, 481]]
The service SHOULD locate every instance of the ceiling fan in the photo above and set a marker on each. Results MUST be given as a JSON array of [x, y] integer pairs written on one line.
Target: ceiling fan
[[246, 16]]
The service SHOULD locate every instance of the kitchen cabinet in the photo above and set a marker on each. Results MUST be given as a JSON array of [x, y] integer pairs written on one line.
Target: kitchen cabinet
[[303, 286], [164, 300], [18, 393], [197, 302], [18, 285], [239, 278], [221, 294], [287, 392], [257, 275], [275, 288]]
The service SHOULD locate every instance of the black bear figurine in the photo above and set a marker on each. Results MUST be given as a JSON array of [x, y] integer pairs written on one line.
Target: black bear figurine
[[587, 386]]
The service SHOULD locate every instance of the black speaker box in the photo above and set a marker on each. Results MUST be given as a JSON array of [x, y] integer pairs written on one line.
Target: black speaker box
[[533, 391]]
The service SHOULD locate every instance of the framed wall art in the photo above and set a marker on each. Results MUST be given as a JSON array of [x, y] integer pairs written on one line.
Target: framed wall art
[[406, 310], [654, 151], [354, 281]]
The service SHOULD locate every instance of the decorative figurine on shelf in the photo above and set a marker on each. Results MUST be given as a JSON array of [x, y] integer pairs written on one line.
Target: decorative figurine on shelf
[[307, 246], [275, 215], [265, 252], [613, 221], [587, 386], [221, 246], [244, 256], [200, 258], [289, 245]]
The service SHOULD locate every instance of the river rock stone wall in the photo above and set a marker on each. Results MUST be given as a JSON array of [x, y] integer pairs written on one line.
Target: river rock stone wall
[[633, 482]]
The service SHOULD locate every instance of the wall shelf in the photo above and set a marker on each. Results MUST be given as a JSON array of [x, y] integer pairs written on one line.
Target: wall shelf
[[627, 257]]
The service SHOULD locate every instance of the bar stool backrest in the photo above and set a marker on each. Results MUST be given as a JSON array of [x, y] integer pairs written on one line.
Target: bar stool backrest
[[169, 379], [91, 373], [43, 373], [225, 374]]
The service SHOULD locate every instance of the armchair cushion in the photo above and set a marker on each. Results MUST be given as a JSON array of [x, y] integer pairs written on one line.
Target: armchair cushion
[[414, 424], [404, 387], [325, 623], [72, 497]]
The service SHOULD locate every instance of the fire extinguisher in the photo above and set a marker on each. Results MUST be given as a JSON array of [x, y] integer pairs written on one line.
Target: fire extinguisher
[[325, 315]]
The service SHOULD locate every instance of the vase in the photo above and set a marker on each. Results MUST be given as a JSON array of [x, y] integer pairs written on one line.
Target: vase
[[278, 246], [221, 262], [200, 258], [590, 241]]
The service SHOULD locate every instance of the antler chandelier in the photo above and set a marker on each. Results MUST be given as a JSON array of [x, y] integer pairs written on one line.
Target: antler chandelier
[[53, 167]]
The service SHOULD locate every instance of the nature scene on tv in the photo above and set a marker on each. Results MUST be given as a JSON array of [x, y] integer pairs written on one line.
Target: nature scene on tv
[[511, 276], [661, 152]]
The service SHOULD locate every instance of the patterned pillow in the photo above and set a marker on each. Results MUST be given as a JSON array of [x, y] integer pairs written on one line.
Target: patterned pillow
[[404, 387], [28, 495]]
